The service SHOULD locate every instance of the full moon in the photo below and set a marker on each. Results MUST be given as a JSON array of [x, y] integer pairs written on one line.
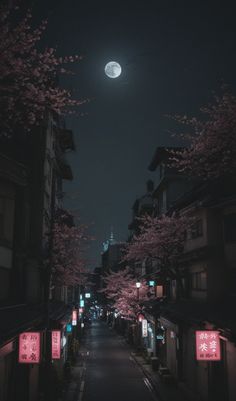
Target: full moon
[[113, 69]]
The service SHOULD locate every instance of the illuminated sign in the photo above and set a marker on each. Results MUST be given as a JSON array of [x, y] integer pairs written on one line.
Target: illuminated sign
[[159, 291], [82, 325], [29, 347], [151, 283], [81, 310], [87, 295], [160, 337], [144, 328], [68, 328], [74, 317], [208, 345], [56, 344], [81, 303]]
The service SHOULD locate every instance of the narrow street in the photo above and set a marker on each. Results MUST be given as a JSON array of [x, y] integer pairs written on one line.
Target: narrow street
[[110, 372]]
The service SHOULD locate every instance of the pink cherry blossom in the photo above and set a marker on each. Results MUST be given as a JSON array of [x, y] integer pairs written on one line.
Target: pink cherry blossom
[[212, 141], [120, 289], [160, 239], [29, 76], [68, 259]]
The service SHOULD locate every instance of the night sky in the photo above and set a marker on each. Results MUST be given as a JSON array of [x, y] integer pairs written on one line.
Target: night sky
[[174, 54]]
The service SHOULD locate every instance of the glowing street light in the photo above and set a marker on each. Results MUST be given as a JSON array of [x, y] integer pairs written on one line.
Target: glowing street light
[[138, 285]]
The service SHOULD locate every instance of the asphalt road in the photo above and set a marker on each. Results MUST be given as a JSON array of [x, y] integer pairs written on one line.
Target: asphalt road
[[110, 372]]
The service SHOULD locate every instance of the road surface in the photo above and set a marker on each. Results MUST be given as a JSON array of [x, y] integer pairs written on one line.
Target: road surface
[[110, 372]]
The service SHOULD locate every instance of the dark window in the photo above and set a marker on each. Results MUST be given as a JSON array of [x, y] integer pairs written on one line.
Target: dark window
[[197, 229], [230, 227], [199, 281]]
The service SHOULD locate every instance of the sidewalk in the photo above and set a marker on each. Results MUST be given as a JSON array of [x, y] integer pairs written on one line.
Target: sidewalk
[[77, 374], [166, 391]]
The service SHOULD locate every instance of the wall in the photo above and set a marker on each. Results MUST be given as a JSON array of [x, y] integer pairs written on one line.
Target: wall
[[231, 369], [195, 374]]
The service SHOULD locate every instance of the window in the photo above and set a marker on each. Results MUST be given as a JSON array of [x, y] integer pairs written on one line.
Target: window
[[199, 281], [197, 229], [230, 227]]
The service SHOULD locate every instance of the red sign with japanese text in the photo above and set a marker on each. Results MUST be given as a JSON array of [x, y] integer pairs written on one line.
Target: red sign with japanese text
[[208, 346], [29, 347], [56, 344], [74, 317]]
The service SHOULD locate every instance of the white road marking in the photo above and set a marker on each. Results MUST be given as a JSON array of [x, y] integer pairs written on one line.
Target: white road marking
[[150, 388], [81, 390], [148, 384]]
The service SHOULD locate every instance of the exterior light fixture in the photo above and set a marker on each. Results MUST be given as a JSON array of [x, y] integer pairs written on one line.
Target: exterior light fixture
[[151, 283]]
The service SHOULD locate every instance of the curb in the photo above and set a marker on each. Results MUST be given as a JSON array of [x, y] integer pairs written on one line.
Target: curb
[[150, 378]]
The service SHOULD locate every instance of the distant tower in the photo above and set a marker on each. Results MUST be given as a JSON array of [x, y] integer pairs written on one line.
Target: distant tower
[[111, 240], [108, 242]]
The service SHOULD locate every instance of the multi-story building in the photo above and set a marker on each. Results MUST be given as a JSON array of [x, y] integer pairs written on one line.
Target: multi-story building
[[208, 284], [209, 294], [32, 168]]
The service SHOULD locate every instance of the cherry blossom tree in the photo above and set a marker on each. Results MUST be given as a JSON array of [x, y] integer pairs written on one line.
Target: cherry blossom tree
[[161, 239], [120, 289], [68, 261], [29, 76], [212, 140]]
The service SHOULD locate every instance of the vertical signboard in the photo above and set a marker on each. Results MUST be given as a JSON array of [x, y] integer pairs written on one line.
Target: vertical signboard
[[208, 345], [144, 328], [159, 291], [74, 317], [29, 347], [56, 344]]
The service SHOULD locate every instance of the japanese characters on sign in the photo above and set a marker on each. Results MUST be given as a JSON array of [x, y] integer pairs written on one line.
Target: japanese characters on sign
[[29, 347], [74, 317], [56, 344], [208, 345], [144, 328]]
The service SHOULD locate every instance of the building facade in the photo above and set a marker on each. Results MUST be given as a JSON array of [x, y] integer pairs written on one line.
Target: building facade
[[32, 168]]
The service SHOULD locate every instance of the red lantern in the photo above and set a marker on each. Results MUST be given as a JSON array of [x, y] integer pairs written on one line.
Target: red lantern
[[140, 317]]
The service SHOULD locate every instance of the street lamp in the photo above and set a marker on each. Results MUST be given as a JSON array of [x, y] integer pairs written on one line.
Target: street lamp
[[138, 285]]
